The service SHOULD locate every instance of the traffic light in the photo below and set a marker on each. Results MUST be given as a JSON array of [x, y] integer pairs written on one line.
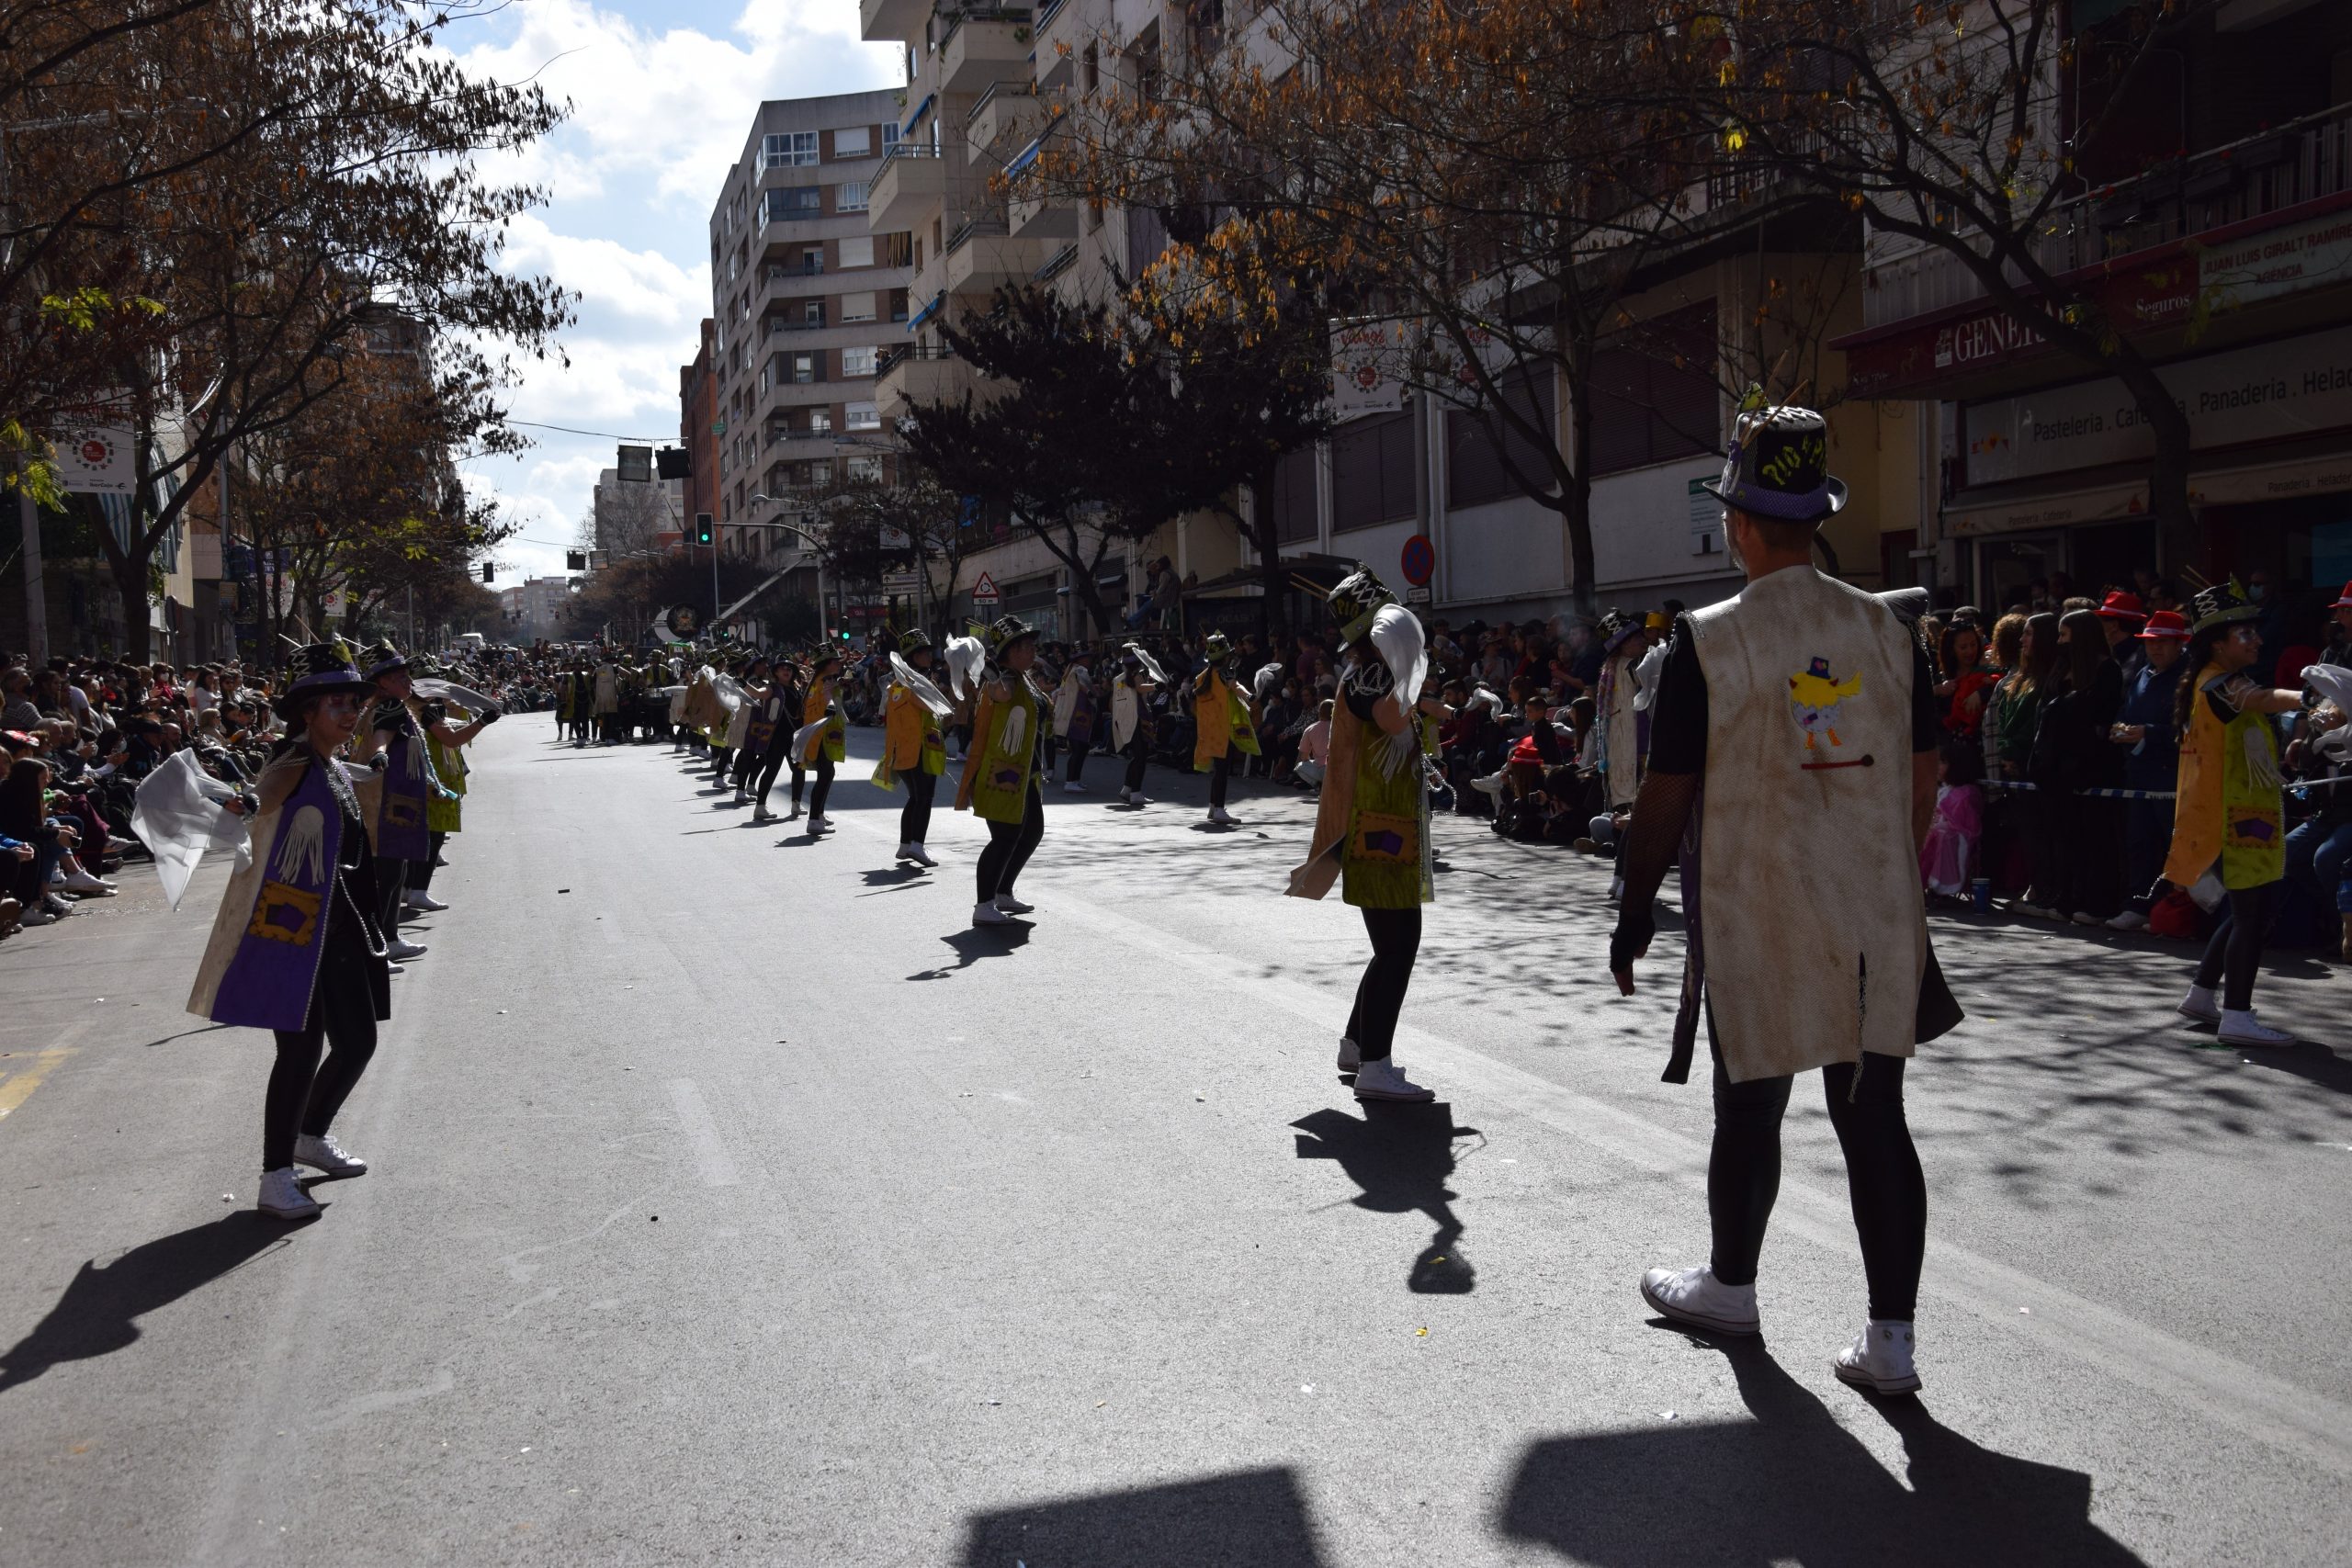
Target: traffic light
[[702, 527], [576, 560], [486, 574]]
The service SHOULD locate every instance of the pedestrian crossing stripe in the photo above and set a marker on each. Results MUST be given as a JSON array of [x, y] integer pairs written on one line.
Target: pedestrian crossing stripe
[[19, 1076]]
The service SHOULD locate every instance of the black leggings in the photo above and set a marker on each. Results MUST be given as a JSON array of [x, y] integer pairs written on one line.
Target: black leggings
[[1220, 771], [1883, 1176], [303, 1096], [747, 763], [1010, 845], [773, 764], [824, 784], [1077, 760], [392, 882], [720, 757], [914, 817], [420, 872], [2234, 952], [1380, 994], [1137, 754]]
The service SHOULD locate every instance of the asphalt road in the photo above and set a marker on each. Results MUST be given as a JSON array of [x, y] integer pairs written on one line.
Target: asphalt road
[[735, 1201]]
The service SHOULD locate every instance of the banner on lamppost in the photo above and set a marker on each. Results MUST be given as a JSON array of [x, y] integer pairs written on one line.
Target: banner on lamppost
[[1368, 356], [97, 461]]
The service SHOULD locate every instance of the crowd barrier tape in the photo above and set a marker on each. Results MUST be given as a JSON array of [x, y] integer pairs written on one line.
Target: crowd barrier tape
[[2297, 788]]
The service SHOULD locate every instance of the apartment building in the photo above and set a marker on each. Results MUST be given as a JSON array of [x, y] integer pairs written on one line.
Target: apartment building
[[699, 430], [2210, 218], [804, 294], [534, 608]]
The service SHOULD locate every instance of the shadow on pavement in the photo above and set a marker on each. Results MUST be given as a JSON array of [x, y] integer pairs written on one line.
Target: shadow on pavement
[[976, 942], [186, 1033], [1794, 1486], [99, 1311], [1401, 1154], [1253, 1519]]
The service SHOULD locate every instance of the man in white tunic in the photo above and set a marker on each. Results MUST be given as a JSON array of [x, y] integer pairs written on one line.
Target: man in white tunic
[[1791, 768]]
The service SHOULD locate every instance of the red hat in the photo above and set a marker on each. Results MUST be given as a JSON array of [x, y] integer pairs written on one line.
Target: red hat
[[2122, 606], [2346, 602], [2165, 624]]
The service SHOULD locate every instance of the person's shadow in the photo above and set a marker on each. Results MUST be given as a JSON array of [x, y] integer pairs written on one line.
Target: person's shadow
[[976, 942], [1401, 1154], [1794, 1486], [98, 1313]]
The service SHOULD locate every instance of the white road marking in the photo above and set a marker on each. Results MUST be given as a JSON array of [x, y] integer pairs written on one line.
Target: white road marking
[[2295, 1420], [694, 1115]]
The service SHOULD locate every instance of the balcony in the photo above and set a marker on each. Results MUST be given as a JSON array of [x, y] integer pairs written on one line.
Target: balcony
[[1059, 35], [913, 181], [983, 257], [918, 373], [891, 21], [1034, 217], [1008, 115], [983, 47], [2273, 173]]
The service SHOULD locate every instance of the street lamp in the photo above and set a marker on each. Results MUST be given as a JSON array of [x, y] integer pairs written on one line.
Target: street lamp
[[815, 548]]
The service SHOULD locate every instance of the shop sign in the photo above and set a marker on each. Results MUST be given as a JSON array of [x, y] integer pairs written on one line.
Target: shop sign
[[1366, 357], [2263, 392], [2283, 261]]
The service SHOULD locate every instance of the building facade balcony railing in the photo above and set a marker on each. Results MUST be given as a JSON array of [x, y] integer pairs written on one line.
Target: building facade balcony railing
[[2275, 172]]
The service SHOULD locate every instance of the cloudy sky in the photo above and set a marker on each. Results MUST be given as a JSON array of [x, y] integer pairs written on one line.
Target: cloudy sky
[[663, 93]]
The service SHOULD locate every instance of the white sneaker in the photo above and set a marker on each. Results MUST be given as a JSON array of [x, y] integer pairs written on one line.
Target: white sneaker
[[36, 916], [425, 903], [906, 852], [989, 914], [2199, 1004], [1012, 905], [762, 814], [1137, 798], [59, 907], [818, 825], [2245, 1029], [83, 882], [1879, 1359], [324, 1154], [401, 950], [794, 814], [1696, 1297], [1124, 792], [1616, 890], [2129, 920], [1073, 787], [920, 855], [1383, 1081], [1350, 1054], [392, 968], [1222, 817], [282, 1195], [2085, 917], [1491, 784]]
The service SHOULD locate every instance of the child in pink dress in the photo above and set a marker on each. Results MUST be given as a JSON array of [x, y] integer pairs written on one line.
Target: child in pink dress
[[1959, 823]]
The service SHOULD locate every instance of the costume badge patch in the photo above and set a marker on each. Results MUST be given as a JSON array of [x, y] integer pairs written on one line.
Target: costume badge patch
[[1815, 698]]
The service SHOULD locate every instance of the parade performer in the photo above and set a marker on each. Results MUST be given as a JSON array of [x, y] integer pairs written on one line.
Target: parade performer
[[396, 829], [445, 812], [1224, 724], [912, 747], [1619, 738], [747, 739], [2229, 805], [1074, 719], [1001, 772], [607, 699], [1793, 737], [823, 737], [296, 948], [1139, 678], [770, 739], [1372, 825]]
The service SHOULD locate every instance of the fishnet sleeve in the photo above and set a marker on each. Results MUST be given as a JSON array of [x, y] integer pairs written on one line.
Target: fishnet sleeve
[[1661, 813]]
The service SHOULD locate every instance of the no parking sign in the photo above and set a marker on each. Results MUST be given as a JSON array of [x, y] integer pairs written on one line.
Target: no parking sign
[[1417, 560]]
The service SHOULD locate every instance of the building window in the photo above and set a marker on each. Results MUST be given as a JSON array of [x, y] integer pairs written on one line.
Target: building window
[[856, 141], [1476, 472], [851, 197], [820, 422], [788, 203], [788, 149], [857, 307], [1654, 396], [868, 469], [857, 362], [804, 367], [1293, 498], [889, 135], [860, 416], [1372, 471], [858, 251]]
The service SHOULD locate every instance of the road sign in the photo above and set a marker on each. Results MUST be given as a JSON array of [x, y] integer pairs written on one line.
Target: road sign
[[1417, 593], [897, 582], [1418, 560], [984, 591]]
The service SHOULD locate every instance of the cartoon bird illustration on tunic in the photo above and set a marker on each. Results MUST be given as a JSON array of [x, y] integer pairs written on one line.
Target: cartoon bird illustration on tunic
[[1815, 695]]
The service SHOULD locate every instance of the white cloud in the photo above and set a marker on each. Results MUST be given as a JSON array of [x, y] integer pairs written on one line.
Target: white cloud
[[658, 114]]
